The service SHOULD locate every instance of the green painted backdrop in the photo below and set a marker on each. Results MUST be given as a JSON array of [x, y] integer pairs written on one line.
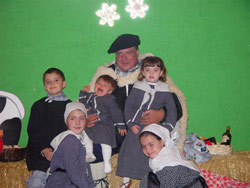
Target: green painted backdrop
[[204, 43]]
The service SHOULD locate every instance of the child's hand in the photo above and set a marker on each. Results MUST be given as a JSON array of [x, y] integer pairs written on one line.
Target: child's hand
[[86, 88], [91, 120], [135, 129], [152, 116], [48, 152], [122, 132]]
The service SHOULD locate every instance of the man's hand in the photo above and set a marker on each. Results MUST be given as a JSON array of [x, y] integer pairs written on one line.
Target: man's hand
[[86, 88], [152, 116], [48, 152], [91, 120], [135, 129], [122, 132]]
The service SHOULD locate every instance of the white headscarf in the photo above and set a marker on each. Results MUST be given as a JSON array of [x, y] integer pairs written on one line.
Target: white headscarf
[[69, 108], [59, 138], [74, 106], [170, 154]]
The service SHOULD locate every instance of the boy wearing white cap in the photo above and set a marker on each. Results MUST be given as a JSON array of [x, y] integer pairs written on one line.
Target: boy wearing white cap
[[168, 166], [68, 167]]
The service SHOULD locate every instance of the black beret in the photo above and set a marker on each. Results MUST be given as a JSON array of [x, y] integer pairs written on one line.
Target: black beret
[[124, 41]]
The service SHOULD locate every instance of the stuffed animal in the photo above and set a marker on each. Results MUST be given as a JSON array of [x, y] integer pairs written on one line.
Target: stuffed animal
[[11, 113]]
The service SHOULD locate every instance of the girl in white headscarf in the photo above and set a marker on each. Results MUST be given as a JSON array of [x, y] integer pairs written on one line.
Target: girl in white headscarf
[[169, 169], [68, 167]]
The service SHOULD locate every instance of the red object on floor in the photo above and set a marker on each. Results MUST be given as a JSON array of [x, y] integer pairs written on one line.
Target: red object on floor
[[214, 180]]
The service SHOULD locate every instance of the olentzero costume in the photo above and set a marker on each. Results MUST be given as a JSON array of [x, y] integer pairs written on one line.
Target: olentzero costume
[[126, 79]]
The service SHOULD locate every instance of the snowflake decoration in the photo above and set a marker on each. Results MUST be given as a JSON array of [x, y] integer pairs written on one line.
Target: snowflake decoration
[[107, 14], [136, 8]]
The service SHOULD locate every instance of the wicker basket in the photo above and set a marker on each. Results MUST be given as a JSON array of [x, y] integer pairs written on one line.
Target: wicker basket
[[12, 154], [218, 149]]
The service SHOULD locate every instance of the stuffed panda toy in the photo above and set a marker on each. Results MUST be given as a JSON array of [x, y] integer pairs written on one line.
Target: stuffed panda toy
[[11, 113]]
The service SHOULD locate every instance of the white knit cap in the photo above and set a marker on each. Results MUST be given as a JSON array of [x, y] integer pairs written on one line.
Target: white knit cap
[[160, 131], [74, 106]]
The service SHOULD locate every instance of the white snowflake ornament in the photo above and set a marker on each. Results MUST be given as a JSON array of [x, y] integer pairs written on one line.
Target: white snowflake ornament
[[136, 8], [107, 14]]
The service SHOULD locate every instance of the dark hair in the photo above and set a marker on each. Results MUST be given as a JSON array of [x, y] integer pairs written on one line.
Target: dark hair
[[152, 61], [148, 133], [54, 70], [108, 79]]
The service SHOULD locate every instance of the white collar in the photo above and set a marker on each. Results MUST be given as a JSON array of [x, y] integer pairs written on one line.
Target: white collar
[[59, 138], [170, 156]]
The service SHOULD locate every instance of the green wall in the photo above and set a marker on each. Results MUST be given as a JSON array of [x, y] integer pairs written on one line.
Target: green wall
[[204, 43]]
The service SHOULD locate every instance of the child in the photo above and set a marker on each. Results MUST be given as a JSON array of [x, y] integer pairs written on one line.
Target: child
[[103, 104], [169, 168], [150, 92], [45, 122], [68, 167]]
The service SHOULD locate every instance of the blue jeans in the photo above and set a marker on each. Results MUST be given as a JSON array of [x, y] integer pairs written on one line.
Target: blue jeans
[[37, 180]]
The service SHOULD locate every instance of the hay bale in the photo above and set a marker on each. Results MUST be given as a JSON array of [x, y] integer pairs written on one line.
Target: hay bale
[[13, 174], [116, 181], [236, 166]]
